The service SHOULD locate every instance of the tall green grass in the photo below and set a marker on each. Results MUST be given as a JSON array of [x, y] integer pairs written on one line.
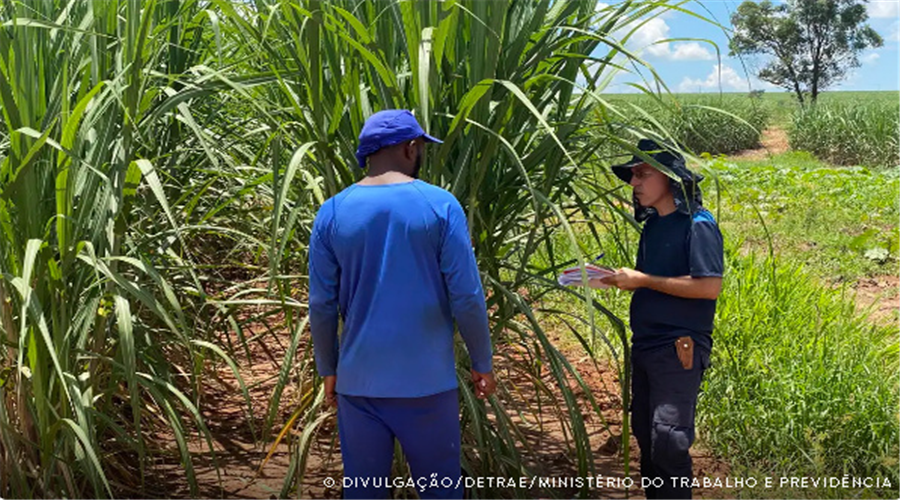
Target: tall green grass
[[147, 146], [783, 103], [160, 166], [101, 301], [719, 124], [850, 133], [496, 80], [801, 384], [702, 123]]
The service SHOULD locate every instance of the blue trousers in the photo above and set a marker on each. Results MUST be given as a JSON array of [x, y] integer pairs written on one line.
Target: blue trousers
[[664, 399], [427, 429]]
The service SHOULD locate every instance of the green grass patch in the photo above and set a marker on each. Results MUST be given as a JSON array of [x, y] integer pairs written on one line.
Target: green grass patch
[[839, 222], [801, 385]]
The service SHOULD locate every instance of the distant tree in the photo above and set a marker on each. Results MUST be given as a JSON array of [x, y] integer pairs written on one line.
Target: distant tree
[[813, 43]]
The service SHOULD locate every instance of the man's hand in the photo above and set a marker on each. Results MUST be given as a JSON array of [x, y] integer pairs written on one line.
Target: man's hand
[[330, 395], [485, 385], [626, 279]]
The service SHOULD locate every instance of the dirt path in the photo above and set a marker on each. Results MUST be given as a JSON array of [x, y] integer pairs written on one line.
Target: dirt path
[[240, 458], [774, 141]]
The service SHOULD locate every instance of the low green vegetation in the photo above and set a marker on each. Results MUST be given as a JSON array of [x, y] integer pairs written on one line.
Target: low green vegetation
[[840, 223]]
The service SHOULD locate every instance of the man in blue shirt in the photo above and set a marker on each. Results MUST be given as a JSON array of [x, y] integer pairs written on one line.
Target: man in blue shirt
[[391, 257], [676, 281]]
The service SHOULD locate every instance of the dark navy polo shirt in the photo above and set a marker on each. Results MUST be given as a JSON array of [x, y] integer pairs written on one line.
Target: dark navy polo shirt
[[676, 245]]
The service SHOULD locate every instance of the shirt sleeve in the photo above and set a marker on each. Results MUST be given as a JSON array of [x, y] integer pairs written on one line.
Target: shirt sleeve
[[706, 247], [324, 278], [463, 282]]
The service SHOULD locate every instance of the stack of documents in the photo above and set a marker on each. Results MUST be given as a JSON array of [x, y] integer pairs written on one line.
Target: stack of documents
[[572, 275]]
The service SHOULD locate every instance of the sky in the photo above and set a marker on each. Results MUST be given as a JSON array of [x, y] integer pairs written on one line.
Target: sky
[[693, 66]]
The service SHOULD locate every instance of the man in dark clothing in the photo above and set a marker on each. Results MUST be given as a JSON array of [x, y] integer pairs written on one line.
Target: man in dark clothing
[[676, 281]]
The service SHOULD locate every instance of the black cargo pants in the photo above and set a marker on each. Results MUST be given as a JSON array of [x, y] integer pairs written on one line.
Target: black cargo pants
[[664, 399]]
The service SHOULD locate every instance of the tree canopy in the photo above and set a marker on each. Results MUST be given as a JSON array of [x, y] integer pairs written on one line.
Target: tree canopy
[[812, 43]]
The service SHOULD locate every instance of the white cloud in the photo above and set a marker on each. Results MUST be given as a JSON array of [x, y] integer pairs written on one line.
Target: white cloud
[[869, 58], [647, 36], [642, 39], [894, 35], [730, 80], [647, 40], [692, 51], [881, 9]]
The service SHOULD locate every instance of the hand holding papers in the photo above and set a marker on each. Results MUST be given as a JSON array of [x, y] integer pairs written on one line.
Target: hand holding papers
[[572, 276]]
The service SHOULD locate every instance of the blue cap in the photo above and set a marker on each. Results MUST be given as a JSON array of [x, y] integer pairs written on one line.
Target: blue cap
[[386, 128]]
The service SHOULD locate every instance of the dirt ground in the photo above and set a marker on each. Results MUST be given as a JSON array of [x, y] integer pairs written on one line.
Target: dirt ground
[[774, 141], [881, 296], [239, 457]]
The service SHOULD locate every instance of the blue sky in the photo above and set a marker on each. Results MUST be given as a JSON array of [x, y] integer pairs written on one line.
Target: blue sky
[[690, 66]]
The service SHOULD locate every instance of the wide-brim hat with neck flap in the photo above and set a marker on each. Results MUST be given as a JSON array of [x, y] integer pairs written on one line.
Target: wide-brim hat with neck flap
[[685, 186]]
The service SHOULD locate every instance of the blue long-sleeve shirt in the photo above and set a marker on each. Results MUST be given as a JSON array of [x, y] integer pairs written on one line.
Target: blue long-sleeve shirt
[[395, 263]]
